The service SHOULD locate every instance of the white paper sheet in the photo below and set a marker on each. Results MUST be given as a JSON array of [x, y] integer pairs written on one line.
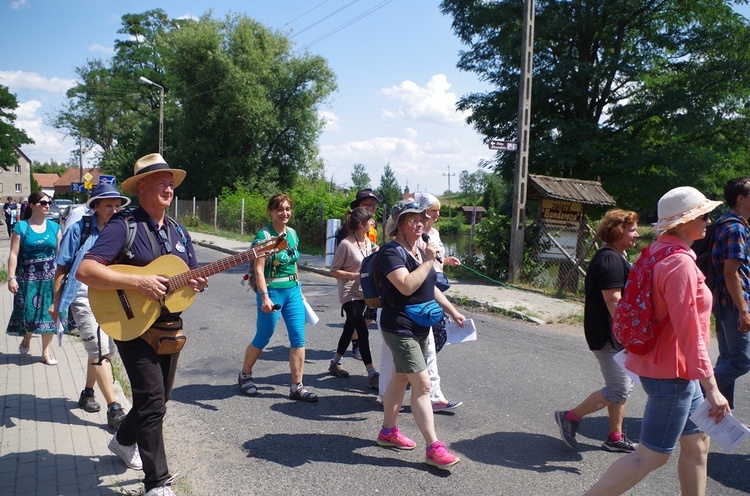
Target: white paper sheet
[[310, 316], [457, 334], [620, 359], [728, 433]]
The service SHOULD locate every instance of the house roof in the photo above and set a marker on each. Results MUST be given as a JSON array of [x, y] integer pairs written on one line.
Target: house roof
[[73, 175], [573, 190], [45, 180], [471, 208]]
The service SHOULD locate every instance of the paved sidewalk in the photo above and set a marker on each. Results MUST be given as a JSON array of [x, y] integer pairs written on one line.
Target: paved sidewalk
[[49, 446]]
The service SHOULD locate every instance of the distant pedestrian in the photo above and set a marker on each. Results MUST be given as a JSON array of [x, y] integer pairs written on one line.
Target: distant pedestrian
[[31, 268], [674, 370], [411, 304], [345, 267], [731, 260], [368, 199], [71, 294], [606, 276], [9, 212], [278, 283]]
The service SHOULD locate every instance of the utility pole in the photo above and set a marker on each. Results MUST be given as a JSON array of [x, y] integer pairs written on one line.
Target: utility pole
[[449, 188], [161, 112], [518, 217]]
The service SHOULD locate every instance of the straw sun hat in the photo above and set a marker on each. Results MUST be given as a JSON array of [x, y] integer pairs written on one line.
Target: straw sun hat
[[681, 205], [147, 165]]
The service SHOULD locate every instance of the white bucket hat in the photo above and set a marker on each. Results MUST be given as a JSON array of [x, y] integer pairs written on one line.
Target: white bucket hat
[[681, 205]]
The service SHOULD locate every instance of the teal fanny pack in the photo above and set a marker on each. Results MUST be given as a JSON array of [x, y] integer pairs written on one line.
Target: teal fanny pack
[[425, 314]]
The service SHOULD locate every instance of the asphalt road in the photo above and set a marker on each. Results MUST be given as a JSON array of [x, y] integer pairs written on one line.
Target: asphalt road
[[511, 380]]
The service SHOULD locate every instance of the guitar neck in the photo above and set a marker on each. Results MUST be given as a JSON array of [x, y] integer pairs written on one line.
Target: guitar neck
[[212, 268]]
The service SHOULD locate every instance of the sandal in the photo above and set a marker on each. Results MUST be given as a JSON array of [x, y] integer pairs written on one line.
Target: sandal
[[24, 350], [247, 385], [50, 360], [303, 394]]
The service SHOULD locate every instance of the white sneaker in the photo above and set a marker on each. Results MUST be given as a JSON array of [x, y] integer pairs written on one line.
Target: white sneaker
[[161, 491], [129, 454]]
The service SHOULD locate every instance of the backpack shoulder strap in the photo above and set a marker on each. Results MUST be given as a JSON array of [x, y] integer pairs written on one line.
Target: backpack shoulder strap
[[132, 226]]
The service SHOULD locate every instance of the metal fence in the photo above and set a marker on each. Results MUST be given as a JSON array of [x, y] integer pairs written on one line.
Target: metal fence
[[557, 256]]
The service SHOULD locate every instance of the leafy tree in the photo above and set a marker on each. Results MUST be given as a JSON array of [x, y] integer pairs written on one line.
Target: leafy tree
[[51, 167], [247, 105], [472, 184], [644, 95], [360, 177], [10, 136], [389, 188]]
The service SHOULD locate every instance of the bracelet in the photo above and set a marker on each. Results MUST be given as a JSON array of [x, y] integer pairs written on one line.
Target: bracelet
[[12, 278], [263, 293]]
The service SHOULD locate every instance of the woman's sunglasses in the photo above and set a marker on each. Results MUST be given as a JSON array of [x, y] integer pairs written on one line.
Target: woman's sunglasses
[[44, 203]]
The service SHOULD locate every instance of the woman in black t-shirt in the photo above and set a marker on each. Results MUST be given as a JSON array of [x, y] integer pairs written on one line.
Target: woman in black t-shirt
[[409, 280], [605, 280]]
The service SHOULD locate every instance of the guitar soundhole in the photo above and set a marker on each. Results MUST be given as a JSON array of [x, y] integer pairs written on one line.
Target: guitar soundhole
[[125, 304]]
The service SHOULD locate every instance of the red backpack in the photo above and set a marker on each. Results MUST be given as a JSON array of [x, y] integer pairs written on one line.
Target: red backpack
[[633, 325]]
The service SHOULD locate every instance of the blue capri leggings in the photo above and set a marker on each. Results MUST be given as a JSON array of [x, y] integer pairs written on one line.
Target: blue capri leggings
[[293, 310]]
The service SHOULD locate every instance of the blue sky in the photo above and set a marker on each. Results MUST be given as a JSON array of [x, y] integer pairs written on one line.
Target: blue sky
[[394, 61]]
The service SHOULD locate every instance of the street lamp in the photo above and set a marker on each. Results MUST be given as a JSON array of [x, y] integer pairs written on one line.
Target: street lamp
[[161, 111]]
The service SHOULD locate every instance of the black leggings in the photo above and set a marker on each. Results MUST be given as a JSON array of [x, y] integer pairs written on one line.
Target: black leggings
[[355, 321]]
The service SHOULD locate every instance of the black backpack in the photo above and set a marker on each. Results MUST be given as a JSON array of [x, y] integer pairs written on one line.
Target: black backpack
[[703, 248]]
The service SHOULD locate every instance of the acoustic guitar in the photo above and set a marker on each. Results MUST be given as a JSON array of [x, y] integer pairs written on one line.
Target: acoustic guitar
[[126, 314]]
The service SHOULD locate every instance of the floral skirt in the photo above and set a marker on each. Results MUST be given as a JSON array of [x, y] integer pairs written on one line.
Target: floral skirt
[[36, 280]]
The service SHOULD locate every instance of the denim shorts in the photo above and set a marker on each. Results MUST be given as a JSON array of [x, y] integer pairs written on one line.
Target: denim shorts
[[670, 403]]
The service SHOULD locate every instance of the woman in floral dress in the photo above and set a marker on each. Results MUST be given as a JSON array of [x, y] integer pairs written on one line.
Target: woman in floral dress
[[31, 263]]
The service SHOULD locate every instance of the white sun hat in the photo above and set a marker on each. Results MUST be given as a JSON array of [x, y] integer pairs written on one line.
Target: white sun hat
[[681, 205]]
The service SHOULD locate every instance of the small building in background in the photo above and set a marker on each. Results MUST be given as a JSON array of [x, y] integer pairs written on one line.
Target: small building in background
[[46, 182], [16, 181], [468, 211]]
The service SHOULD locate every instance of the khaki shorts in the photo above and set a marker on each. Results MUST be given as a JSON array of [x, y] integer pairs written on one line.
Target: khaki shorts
[[87, 327], [409, 352]]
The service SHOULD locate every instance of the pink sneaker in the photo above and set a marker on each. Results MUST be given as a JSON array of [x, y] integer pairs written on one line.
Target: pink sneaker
[[439, 457], [395, 440]]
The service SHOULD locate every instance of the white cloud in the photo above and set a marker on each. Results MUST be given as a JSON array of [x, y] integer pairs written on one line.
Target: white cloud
[[432, 103], [20, 4], [96, 47], [48, 143], [330, 120], [21, 80], [189, 17]]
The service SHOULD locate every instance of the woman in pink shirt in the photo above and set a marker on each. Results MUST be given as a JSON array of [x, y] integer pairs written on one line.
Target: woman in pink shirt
[[674, 370]]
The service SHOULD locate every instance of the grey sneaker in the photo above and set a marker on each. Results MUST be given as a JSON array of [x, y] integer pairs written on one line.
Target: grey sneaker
[[624, 445], [115, 416], [338, 370], [247, 385], [88, 403], [568, 429], [373, 381], [356, 354], [129, 454]]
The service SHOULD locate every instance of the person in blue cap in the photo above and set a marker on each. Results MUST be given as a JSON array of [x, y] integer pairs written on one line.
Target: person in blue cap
[[71, 294]]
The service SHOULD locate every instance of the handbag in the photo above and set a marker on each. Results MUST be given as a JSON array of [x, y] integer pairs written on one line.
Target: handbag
[[166, 338], [425, 314]]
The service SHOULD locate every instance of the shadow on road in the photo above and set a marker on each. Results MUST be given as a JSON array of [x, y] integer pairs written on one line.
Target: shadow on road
[[517, 450]]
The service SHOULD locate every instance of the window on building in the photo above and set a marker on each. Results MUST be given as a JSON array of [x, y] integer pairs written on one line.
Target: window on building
[[18, 169], [18, 188]]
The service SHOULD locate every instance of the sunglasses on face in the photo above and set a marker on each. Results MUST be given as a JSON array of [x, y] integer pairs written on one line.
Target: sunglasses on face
[[44, 203]]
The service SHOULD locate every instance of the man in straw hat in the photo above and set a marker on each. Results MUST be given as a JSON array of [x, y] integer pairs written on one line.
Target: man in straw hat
[[79, 237], [731, 261], [139, 440]]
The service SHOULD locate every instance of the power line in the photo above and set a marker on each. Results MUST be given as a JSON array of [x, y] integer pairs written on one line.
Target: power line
[[325, 18], [349, 23]]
